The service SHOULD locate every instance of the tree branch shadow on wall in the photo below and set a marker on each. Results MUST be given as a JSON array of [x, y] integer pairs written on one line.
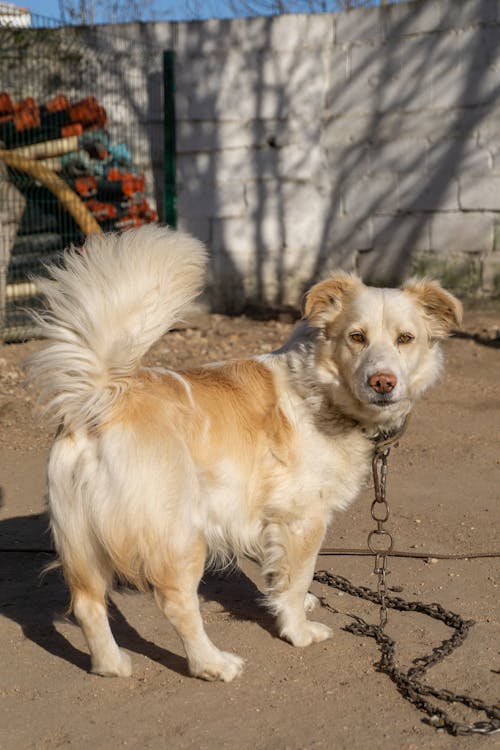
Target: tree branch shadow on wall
[[402, 215], [434, 184]]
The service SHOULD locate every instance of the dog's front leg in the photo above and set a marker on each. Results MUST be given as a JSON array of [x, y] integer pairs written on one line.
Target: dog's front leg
[[178, 598], [291, 548]]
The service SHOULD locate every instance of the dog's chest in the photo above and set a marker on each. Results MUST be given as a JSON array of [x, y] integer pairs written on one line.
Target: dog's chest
[[334, 468]]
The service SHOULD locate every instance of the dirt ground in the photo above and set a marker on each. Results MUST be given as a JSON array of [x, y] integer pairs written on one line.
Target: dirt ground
[[443, 489]]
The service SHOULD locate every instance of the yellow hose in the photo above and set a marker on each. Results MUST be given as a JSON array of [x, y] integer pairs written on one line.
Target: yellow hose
[[67, 197]]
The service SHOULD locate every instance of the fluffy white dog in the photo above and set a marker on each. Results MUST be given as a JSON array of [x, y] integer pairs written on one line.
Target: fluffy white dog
[[154, 474]]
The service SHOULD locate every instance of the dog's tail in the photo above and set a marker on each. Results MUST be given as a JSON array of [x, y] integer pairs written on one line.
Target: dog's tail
[[105, 307]]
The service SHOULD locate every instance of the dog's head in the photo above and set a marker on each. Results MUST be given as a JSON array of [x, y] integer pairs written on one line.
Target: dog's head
[[378, 349]]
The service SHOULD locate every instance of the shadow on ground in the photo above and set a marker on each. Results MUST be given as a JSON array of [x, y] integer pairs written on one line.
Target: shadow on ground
[[37, 598]]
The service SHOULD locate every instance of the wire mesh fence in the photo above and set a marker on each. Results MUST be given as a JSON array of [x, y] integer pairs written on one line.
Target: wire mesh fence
[[78, 106]]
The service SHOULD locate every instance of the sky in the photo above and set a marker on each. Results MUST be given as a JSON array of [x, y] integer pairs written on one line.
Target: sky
[[51, 8], [48, 8], [172, 10], [218, 8]]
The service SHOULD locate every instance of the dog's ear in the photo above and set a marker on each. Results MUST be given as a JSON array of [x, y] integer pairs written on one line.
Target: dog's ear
[[324, 301], [442, 310]]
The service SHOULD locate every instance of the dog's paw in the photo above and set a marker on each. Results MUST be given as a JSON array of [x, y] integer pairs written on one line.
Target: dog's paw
[[310, 602], [307, 633], [221, 666], [118, 667]]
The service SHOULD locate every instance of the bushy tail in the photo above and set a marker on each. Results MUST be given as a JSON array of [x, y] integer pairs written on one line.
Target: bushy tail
[[106, 306]]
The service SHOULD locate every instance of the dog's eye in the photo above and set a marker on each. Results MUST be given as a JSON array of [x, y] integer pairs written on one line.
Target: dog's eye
[[358, 337], [405, 338]]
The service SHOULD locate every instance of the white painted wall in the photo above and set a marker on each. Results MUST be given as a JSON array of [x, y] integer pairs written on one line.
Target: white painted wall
[[367, 139]]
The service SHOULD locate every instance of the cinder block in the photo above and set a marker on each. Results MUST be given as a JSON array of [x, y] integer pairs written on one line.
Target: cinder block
[[398, 155], [457, 156], [487, 126], [346, 162], [409, 57], [243, 238], [181, 105], [223, 86], [432, 190], [458, 272], [212, 167], [401, 234], [395, 239], [299, 31], [199, 135], [301, 162], [495, 160], [370, 195], [437, 15], [344, 234], [404, 95], [462, 75], [355, 79], [154, 33], [462, 232], [150, 141], [215, 200], [193, 169], [294, 163], [214, 135], [197, 226], [431, 125], [299, 209], [159, 34], [414, 18], [411, 19], [479, 193], [359, 25], [378, 78], [204, 38], [281, 33], [296, 83], [163, 33], [491, 274], [340, 130], [249, 85]]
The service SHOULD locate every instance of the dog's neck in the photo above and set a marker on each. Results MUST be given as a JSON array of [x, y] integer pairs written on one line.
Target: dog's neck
[[384, 438]]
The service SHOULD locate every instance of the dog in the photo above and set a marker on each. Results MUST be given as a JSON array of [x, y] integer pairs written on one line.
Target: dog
[[155, 474]]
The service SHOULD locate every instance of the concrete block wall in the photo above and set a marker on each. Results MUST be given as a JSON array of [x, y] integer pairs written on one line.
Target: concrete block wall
[[367, 139]]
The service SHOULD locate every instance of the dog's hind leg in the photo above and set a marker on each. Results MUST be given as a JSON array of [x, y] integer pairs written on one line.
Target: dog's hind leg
[[291, 549], [177, 597], [85, 568], [89, 607]]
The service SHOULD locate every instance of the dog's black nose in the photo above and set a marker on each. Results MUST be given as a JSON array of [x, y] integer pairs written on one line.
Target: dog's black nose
[[383, 382]]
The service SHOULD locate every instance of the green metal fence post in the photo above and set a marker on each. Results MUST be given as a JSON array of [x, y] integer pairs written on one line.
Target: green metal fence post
[[169, 136]]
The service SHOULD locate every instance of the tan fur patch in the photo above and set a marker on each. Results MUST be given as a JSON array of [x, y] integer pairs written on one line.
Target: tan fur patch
[[241, 402], [232, 411], [442, 309], [326, 300]]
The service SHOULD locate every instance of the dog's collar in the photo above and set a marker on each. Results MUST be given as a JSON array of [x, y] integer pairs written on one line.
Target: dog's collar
[[383, 439]]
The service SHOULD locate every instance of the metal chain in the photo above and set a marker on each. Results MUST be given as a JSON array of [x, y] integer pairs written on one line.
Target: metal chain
[[409, 684], [380, 541]]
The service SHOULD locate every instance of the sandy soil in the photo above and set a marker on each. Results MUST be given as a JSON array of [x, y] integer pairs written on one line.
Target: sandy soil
[[444, 492]]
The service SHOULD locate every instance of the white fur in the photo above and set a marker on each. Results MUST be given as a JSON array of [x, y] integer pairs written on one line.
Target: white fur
[[108, 305], [154, 472]]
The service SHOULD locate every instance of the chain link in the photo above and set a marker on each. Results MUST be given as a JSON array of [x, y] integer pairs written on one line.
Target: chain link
[[380, 544], [380, 541]]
